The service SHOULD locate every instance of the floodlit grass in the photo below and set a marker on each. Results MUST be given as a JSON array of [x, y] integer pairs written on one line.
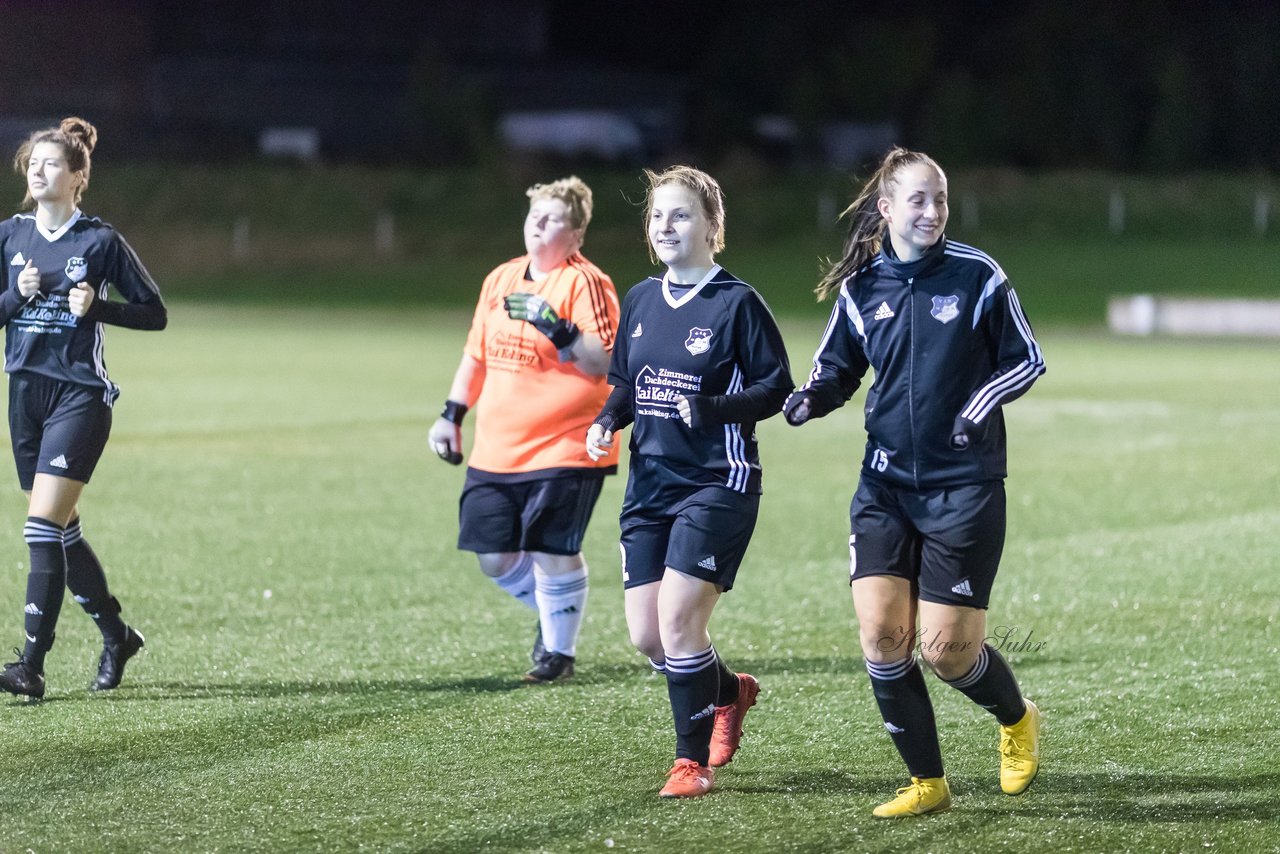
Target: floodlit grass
[[325, 671]]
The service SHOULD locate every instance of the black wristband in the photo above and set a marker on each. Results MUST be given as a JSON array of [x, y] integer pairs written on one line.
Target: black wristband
[[454, 411], [563, 334]]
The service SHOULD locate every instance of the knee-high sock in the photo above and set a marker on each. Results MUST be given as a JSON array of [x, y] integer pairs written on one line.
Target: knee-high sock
[[728, 692], [45, 581], [88, 585], [693, 683], [561, 601], [990, 683], [518, 581], [908, 715]]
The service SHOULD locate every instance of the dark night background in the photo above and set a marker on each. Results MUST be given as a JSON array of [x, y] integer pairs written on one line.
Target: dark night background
[[1141, 86]]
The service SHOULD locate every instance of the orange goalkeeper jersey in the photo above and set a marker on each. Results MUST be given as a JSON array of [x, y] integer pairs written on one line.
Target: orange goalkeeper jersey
[[534, 410]]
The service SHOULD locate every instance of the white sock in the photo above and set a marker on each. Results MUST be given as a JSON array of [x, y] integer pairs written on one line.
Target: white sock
[[561, 601], [519, 581]]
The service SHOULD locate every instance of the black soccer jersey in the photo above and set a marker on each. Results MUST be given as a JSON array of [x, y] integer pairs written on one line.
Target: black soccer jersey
[[947, 337], [41, 334], [718, 338]]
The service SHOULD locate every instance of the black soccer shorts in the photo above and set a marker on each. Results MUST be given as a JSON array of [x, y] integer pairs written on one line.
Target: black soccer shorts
[[548, 515], [947, 542], [699, 531], [56, 427]]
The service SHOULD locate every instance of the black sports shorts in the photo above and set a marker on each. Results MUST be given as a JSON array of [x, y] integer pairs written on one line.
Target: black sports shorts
[[548, 515], [947, 542], [56, 427], [702, 531]]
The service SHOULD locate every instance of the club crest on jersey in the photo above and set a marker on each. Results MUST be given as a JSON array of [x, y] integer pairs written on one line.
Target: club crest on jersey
[[946, 309], [699, 341], [77, 269]]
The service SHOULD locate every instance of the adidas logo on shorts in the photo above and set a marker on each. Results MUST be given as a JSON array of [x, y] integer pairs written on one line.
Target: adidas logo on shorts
[[60, 461], [708, 562], [883, 312], [963, 588]]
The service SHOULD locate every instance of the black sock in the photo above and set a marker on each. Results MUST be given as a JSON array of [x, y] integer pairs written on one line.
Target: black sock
[[728, 684], [990, 684], [45, 582], [908, 715], [88, 584], [692, 684]]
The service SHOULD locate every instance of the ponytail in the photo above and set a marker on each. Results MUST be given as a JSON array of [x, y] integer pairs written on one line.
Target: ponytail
[[866, 224]]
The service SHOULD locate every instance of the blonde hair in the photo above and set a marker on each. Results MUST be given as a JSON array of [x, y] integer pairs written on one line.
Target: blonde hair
[[573, 191], [701, 185], [77, 138], [866, 223]]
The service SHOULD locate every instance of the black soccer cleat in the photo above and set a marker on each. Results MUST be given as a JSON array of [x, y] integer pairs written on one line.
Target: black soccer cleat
[[114, 658], [538, 651], [553, 667], [22, 679]]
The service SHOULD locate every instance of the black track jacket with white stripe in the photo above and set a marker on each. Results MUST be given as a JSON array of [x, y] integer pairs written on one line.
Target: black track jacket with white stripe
[[42, 335], [946, 337], [716, 339]]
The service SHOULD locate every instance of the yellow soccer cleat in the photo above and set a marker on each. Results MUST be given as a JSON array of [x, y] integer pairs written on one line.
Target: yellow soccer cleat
[[1020, 752], [924, 795]]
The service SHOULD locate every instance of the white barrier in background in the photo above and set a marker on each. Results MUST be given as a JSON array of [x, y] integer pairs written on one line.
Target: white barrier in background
[[1145, 314]]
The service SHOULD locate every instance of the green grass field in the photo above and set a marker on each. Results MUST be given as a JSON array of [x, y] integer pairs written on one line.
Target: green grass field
[[325, 672]]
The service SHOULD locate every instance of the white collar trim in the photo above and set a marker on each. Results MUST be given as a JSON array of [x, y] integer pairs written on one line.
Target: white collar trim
[[51, 236], [676, 303]]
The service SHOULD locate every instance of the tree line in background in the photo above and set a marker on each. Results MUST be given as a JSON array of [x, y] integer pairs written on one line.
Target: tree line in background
[[1158, 85]]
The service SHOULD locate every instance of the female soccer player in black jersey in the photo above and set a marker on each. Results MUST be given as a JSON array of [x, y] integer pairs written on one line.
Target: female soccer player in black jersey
[[697, 362], [54, 307], [941, 326]]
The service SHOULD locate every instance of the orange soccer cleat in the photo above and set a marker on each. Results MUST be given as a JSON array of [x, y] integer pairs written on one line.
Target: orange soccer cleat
[[688, 779], [728, 729]]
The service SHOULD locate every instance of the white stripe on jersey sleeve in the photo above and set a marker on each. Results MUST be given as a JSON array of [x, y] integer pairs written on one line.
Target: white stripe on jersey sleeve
[[989, 396], [734, 445]]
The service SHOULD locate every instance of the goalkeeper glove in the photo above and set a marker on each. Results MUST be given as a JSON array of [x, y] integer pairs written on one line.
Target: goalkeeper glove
[[536, 310]]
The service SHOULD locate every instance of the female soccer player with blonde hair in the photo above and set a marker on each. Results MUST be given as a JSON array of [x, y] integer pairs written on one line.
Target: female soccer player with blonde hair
[[533, 369], [699, 360]]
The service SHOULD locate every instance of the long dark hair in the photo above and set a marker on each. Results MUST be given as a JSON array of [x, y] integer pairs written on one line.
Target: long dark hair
[[866, 225]]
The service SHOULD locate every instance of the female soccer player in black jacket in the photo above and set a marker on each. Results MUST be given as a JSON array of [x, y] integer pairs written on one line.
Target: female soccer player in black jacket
[[950, 346]]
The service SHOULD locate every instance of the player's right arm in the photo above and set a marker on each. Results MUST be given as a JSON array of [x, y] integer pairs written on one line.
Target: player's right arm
[[838, 368], [445, 435], [618, 412], [26, 286]]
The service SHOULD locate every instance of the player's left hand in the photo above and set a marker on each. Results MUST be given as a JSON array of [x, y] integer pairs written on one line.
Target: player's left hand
[[685, 410], [531, 308], [534, 309], [79, 299], [964, 433], [694, 411]]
